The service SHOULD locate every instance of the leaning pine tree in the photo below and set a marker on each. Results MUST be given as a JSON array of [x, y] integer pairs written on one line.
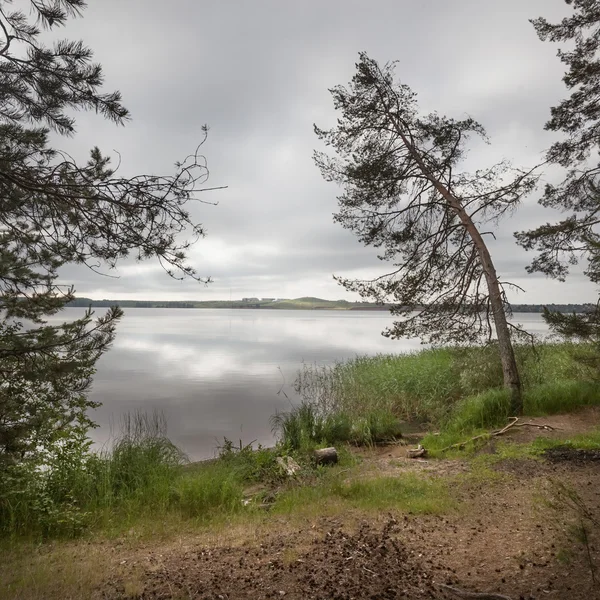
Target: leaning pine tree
[[403, 191], [57, 211]]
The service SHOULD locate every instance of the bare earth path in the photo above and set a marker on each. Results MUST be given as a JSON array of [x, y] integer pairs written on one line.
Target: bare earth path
[[506, 537]]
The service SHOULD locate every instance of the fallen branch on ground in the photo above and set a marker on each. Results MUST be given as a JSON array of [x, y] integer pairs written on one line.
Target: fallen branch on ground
[[513, 423], [539, 426], [473, 595]]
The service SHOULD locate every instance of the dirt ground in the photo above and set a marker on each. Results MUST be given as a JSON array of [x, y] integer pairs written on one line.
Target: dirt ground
[[504, 543], [516, 537]]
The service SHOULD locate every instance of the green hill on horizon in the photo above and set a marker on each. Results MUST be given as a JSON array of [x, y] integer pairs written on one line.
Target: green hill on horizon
[[302, 303]]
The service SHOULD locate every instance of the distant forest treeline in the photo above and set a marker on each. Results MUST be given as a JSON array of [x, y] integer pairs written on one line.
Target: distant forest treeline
[[295, 304]]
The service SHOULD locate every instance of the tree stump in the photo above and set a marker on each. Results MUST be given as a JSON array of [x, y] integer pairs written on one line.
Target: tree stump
[[325, 456]]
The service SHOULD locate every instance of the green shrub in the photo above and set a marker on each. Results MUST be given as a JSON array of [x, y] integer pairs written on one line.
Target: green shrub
[[249, 464], [49, 499], [141, 475]]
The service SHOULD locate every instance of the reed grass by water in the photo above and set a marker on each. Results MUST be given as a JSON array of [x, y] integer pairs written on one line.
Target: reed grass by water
[[143, 473], [144, 477], [456, 390]]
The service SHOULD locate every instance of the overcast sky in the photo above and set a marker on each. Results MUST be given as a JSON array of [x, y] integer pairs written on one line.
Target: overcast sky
[[258, 72]]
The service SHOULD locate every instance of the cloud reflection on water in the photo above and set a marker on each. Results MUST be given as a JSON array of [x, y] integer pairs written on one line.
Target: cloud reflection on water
[[217, 373]]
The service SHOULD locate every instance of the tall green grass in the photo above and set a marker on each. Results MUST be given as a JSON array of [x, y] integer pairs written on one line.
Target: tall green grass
[[454, 389], [362, 401], [409, 386], [305, 427], [142, 474]]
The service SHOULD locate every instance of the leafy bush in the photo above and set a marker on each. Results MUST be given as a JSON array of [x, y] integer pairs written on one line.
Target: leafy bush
[[249, 464], [42, 493]]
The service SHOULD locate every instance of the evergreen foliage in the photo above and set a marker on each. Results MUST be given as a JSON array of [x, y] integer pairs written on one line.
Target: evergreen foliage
[[562, 244], [404, 191], [56, 211]]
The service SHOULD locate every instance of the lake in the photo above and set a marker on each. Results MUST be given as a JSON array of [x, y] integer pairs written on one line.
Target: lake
[[219, 373]]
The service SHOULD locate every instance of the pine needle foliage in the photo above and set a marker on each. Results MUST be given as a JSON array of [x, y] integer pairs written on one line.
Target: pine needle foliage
[[57, 211]]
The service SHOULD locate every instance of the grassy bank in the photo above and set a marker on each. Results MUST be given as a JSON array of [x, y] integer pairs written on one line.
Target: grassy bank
[[144, 484], [143, 476], [453, 390], [145, 480], [429, 385]]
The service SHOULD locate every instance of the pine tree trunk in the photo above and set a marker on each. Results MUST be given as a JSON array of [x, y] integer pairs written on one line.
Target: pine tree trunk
[[510, 370]]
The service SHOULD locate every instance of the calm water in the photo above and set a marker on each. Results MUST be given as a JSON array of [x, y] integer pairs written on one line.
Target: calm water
[[217, 373]]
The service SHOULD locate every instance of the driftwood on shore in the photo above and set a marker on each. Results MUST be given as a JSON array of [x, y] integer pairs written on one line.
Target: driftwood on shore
[[288, 465], [325, 456], [418, 452]]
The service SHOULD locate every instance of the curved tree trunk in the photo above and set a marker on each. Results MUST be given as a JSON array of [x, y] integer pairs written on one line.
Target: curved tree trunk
[[512, 381], [510, 371]]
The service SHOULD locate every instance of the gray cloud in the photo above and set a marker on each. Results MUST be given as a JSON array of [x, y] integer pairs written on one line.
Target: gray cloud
[[257, 73]]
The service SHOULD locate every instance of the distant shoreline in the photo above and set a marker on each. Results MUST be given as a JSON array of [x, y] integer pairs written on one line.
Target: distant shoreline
[[306, 303]]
